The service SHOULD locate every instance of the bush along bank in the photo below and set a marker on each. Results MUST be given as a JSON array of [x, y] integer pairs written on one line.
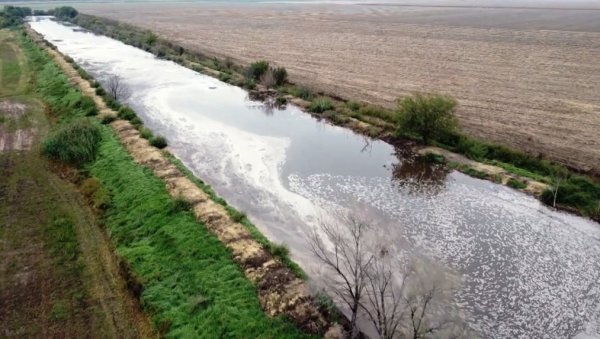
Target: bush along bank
[[196, 269], [576, 192]]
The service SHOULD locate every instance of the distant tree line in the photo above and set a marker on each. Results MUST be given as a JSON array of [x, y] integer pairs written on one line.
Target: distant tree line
[[12, 16]]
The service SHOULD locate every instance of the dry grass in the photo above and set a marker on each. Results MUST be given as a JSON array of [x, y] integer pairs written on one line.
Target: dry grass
[[526, 78]]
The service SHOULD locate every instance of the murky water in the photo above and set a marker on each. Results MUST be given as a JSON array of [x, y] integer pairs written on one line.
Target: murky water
[[527, 271]]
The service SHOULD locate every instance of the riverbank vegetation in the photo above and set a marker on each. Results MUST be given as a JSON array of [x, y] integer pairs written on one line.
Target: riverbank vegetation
[[182, 274], [56, 279], [390, 124]]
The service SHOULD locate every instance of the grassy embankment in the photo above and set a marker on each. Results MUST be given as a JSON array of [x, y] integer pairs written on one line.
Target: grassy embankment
[[577, 192], [185, 277], [55, 274]]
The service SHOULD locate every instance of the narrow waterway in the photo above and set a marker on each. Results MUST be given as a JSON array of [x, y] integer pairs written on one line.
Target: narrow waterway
[[527, 271]]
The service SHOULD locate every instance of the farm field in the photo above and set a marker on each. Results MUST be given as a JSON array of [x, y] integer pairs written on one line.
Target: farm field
[[525, 76]]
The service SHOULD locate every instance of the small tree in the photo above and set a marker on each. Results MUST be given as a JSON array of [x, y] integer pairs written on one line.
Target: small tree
[[267, 79], [280, 75], [257, 69], [117, 89], [427, 115], [557, 177]]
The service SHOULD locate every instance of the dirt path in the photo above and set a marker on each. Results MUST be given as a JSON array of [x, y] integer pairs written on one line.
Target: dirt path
[[58, 274]]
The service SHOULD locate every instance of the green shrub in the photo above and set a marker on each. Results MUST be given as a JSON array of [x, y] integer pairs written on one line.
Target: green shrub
[[472, 149], [517, 184], [279, 250], [75, 143], [427, 116], [126, 113], [96, 84], [353, 105], [146, 133], [434, 158], [112, 102], [137, 122], [237, 216], [158, 142], [304, 93], [321, 105], [107, 119], [377, 112], [225, 77], [100, 91], [257, 69], [280, 75], [83, 73]]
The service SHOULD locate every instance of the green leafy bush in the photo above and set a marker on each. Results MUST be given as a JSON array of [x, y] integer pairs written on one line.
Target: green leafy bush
[[100, 91], [136, 121], [75, 143], [321, 105], [280, 75], [517, 184], [427, 116], [158, 142], [126, 113], [257, 69], [146, 133]]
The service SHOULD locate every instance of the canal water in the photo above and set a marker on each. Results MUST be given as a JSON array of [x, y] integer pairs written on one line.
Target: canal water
[[527, 271]]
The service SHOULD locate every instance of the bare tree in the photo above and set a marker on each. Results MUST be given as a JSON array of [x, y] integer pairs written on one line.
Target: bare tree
[[349, 259], [384, 304], [117, 88], [402, 299], [428, 296], [268, 79], [557, 177]]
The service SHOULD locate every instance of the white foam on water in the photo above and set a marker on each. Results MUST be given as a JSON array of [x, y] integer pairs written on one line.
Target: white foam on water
[[528, 271]]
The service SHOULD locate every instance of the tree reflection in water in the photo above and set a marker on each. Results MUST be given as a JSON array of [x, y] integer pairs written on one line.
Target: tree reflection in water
[[416, 175]]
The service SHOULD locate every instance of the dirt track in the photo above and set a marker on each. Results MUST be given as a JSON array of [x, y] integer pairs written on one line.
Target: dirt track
[[529, 78]]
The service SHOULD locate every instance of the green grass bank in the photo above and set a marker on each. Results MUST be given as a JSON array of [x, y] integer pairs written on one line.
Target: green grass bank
[[185, 278]]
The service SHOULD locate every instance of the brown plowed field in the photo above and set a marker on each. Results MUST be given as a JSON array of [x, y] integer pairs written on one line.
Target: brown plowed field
[[525, 77]]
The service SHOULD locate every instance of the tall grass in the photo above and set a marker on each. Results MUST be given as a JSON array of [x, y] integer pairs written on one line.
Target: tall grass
[[192, 287], [75, 142]]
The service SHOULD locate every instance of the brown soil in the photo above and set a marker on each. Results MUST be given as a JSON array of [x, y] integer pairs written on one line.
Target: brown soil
[[527, 78]]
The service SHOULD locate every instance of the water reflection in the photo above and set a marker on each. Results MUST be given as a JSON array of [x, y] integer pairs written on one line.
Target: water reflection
[[528, 271], [417, 175]]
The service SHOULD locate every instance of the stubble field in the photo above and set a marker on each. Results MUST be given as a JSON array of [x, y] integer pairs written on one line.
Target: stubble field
[[525, 77]]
